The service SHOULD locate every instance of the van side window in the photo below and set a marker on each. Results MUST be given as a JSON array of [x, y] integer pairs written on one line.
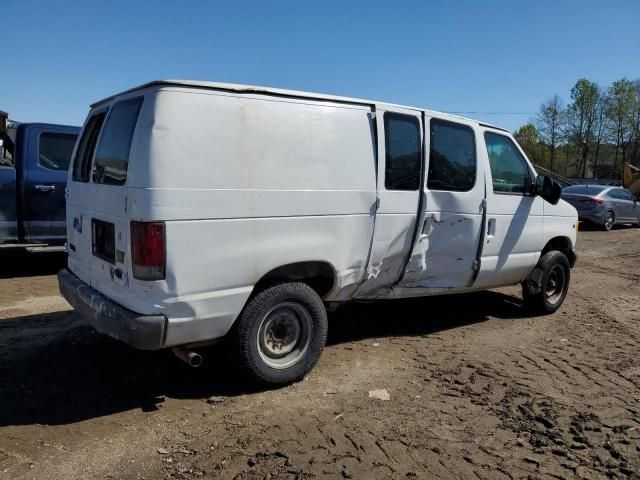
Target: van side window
[[112, 152], [55, 149], [452, 159], [509, 170], [86, 148], [403, 148]]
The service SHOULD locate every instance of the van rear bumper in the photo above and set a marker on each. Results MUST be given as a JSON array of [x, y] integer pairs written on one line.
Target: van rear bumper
[[145, 332]]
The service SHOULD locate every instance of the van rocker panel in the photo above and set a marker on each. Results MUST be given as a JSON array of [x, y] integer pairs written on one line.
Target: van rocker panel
[[145, 332]]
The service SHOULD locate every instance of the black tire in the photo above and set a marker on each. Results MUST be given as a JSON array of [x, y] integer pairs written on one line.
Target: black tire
[[609, 221], [546, 287], [287, 316]]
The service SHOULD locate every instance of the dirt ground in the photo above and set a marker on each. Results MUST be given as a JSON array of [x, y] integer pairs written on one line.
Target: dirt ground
[[478, 389]]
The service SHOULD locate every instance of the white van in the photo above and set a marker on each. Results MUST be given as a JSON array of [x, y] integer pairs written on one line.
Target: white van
[[201, 210]]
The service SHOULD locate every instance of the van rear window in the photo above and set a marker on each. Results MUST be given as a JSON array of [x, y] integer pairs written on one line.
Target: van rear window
[[86, 148], [112, 152]]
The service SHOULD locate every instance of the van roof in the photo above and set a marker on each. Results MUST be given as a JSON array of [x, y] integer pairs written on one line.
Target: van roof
[[240, 88]]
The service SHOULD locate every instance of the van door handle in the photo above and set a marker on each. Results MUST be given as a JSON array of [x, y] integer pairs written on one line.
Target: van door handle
[[45, 188], [491, 227]]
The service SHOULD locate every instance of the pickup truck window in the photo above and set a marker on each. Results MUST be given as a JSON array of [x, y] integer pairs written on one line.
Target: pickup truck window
[[84, 154], [6, 151], [55, 149], [403, 151], [112, 152], [509, 169], [452, 161]]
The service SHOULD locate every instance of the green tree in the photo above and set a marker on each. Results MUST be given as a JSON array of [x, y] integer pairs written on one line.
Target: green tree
[[583, 114], [528, 138], [621, 104]]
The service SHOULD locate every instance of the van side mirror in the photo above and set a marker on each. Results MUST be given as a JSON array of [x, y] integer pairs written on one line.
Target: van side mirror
[[548, 189]]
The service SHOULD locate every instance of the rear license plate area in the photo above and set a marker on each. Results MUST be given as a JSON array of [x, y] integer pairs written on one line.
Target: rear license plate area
[[103, 240]]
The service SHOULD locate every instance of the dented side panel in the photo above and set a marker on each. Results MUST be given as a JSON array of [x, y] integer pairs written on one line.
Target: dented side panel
[[445, 253]]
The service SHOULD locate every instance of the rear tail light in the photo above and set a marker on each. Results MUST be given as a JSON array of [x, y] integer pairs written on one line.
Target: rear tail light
[[148, 250], [593, 201]]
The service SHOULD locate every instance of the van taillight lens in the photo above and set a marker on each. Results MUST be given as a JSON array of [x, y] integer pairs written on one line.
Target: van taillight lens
[[148, 250]]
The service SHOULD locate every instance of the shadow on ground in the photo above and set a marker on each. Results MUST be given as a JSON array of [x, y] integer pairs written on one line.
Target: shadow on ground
[[16, 262], [68, 373]]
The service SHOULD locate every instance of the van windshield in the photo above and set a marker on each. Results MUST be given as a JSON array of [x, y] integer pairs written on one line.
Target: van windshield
[[112, 152]]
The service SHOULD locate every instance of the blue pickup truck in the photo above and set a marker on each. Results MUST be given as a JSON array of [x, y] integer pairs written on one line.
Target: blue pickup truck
[[34, 158]]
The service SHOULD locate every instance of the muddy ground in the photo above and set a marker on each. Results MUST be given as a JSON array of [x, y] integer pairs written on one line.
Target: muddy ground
[[478, 389]]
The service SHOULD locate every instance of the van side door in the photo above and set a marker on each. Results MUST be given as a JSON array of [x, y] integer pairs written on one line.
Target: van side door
[[48, 153], [448, 236], [399, 172], [514, 230]]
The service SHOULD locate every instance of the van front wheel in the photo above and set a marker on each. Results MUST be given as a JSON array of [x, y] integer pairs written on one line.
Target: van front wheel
[[546, 287], [280, 334]]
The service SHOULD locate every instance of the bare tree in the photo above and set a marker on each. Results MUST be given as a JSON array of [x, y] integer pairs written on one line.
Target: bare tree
[[635, 124], [601, 128], [549, 123]]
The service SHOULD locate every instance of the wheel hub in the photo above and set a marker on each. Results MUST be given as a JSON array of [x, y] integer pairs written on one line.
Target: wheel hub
[[555, 284], [284, 335], [281, 333], [609, 219]]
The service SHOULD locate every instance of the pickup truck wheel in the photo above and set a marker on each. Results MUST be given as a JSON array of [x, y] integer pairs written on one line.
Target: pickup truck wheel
[[280, 334], [546, 287]]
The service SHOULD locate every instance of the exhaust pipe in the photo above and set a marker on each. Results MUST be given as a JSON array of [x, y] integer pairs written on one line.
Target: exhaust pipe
[[189, 357]]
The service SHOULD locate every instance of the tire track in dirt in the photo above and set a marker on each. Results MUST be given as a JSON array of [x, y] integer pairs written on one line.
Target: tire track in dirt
[[477, 391]]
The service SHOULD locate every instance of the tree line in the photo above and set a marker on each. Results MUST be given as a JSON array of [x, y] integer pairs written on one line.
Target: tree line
[[590, 137]]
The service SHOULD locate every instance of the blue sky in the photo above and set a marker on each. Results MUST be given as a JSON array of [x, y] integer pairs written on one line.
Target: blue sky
[[462, 56]]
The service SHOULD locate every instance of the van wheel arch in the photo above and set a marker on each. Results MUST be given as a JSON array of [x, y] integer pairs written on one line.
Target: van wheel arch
[[319, 275], [561, 244]]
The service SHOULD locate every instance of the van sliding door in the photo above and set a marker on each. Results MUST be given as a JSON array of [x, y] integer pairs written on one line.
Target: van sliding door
[[400, 160], [446, 248]]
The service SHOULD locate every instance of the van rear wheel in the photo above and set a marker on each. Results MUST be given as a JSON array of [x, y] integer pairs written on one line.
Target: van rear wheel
[[546, 287], [280, 334]]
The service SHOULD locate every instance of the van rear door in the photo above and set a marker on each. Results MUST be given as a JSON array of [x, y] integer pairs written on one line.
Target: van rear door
[[78, 197], [107, 214], [99, 206]]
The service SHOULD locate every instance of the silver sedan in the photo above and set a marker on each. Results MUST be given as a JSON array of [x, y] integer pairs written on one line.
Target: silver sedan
[[602, 205]]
